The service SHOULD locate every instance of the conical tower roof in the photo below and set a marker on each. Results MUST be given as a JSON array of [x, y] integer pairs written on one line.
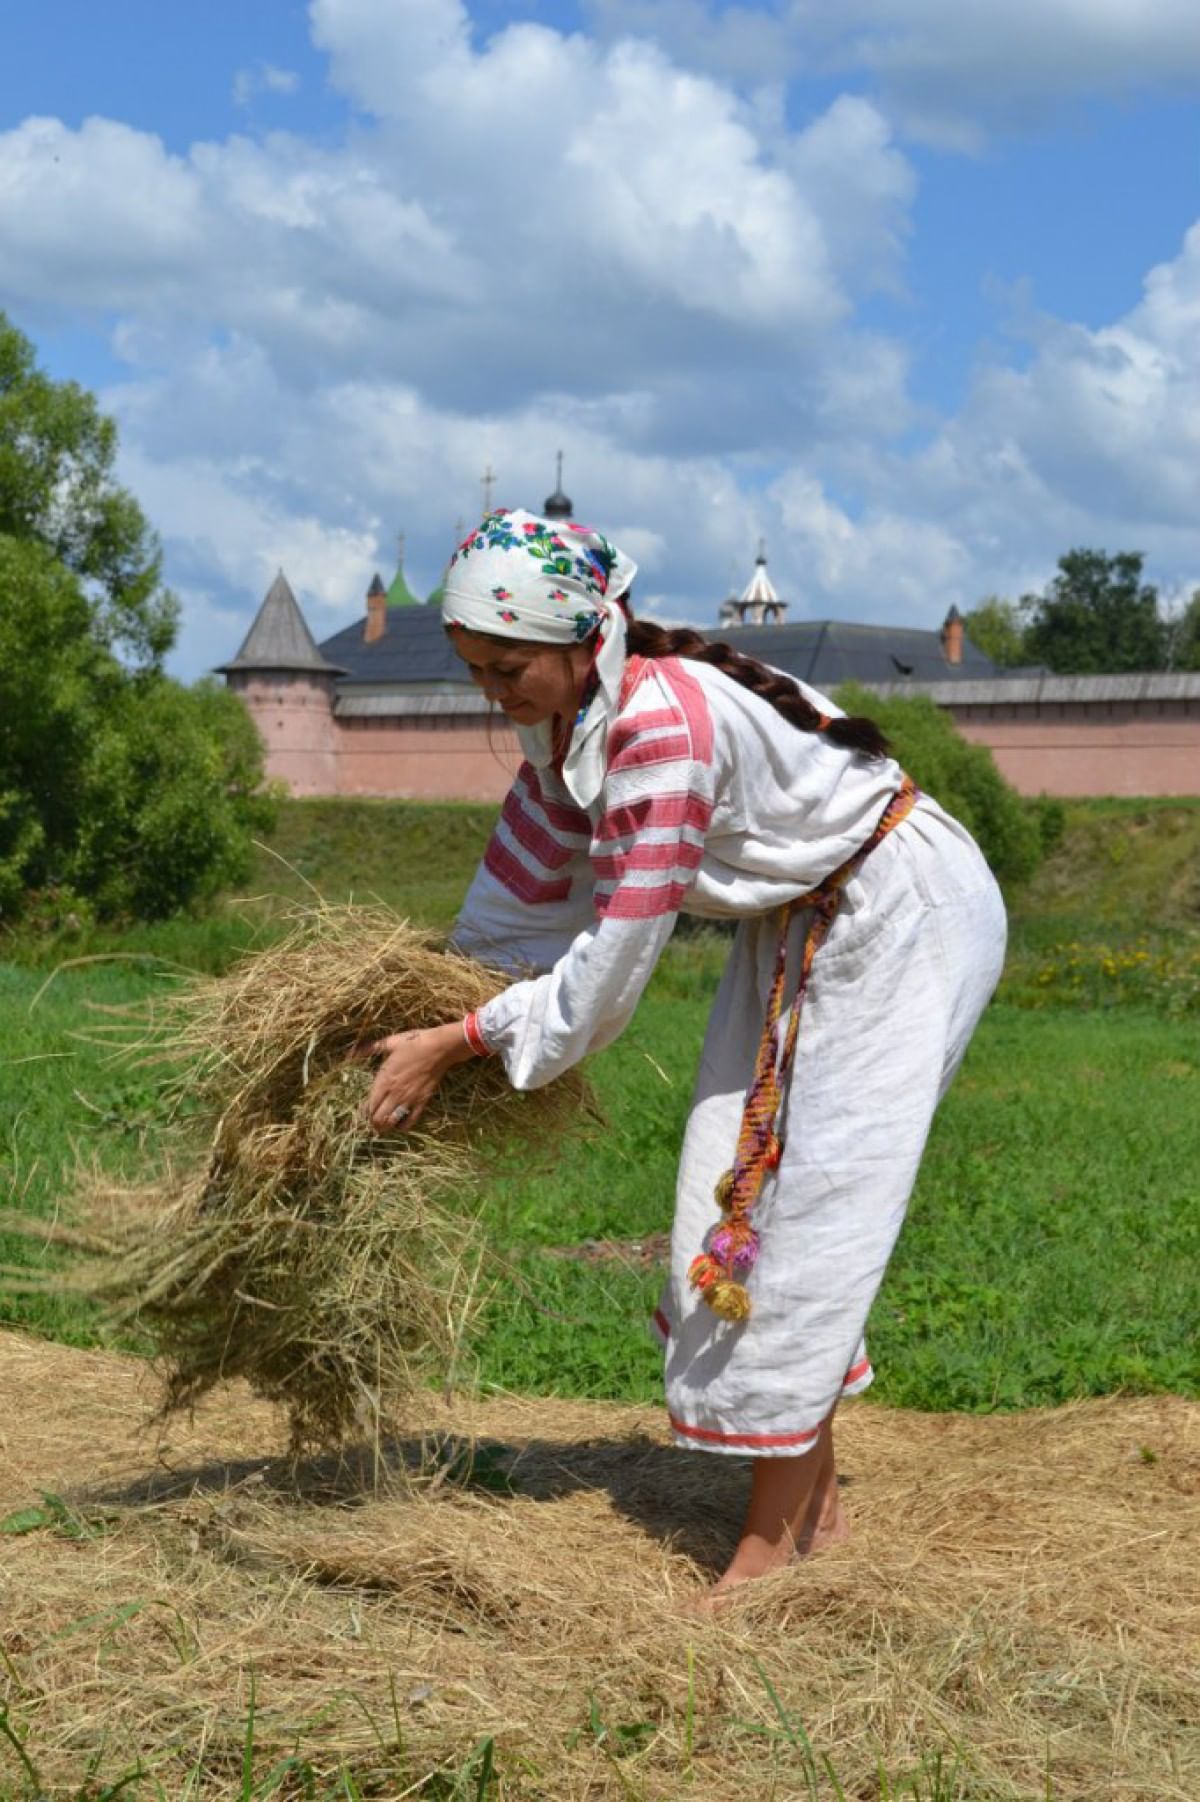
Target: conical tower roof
[[760, 589], [279, 639], [400, 594]]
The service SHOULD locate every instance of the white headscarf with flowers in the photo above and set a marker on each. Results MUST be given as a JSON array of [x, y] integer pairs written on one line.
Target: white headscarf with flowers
[[542, 581]]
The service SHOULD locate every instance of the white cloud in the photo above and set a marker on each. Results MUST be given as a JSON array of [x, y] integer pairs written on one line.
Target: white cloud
[[263, 78], [546, 240], [948, 71]]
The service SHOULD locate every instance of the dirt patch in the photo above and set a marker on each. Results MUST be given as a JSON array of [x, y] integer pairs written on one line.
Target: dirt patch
[[1021, 1595], [648, 1253]]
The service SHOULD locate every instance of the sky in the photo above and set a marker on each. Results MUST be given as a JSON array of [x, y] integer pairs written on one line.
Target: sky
[[908, 289]]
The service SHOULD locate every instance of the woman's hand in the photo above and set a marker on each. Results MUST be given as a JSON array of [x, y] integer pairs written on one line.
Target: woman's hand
[[414, 1063]]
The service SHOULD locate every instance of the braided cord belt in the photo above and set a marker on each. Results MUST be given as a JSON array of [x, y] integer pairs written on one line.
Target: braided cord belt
[[733, 1247]]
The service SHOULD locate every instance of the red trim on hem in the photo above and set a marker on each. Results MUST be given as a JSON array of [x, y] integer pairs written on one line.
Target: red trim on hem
[[474, 1036], [857, 1370], [662, 1323], [711, 1437]]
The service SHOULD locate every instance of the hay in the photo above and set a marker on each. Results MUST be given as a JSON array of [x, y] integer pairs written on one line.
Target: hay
[[279, 1239], [1021, 1596]]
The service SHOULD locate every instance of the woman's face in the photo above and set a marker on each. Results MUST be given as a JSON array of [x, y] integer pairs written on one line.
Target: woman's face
[[531, 683]]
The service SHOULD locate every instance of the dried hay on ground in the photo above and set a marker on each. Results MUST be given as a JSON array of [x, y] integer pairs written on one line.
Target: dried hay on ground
[[280, 1240], [1025, 1589]]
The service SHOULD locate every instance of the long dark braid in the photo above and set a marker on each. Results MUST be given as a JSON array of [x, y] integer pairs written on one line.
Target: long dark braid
[[857, 733]]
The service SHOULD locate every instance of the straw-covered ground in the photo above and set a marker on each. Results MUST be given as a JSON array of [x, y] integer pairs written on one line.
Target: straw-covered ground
[[1017, 1614]]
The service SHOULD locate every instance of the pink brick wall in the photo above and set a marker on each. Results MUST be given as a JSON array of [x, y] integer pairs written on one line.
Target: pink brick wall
[[1065, 748], [433, 760], [294, 714], [1092, 748]]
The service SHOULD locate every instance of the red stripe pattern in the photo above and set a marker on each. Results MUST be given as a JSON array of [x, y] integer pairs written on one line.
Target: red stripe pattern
[[709, 1436], [473, 1034], [657, 794], [536, 840]]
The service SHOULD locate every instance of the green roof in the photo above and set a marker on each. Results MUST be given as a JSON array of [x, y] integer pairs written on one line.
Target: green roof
[[400, 594]]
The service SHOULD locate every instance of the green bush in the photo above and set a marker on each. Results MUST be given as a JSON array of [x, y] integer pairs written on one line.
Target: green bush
[[122, 793], [963, 777], [172, 796]]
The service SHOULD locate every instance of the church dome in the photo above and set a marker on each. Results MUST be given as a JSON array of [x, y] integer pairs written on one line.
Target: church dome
[[558, 505]]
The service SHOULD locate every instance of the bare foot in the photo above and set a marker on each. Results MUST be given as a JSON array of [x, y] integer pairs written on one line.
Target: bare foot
[[795, 1510], [825, 1524]]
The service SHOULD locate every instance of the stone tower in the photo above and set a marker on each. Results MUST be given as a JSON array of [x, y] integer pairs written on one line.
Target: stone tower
[[288, 688]]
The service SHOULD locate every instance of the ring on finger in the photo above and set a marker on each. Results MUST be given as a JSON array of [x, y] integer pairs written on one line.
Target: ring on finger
[[400, 1113]]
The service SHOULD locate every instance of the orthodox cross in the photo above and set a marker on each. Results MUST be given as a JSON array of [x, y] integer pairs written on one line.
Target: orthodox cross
[[488, 481]]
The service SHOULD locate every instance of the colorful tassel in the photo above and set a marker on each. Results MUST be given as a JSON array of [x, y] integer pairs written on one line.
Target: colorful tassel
[[733, 1247], [730, 1301], [703, 1272]]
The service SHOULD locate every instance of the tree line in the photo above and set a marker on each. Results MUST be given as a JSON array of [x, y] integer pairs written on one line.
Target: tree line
[[1096, 617], [123, 794]]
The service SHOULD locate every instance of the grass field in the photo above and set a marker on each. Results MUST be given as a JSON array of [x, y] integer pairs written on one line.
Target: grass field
[[1052, 1241], [1013, 1620]]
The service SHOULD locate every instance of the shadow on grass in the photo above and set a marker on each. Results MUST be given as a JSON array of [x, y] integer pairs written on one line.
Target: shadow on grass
[[691, 1502]]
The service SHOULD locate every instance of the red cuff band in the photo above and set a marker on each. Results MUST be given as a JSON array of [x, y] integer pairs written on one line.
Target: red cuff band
[[474, 1036]]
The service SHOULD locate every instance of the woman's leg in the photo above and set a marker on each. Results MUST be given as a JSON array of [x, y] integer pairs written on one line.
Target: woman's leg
[[794, 1509]]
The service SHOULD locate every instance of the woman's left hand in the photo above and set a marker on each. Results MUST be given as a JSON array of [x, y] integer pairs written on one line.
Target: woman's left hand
[[414, 1063]]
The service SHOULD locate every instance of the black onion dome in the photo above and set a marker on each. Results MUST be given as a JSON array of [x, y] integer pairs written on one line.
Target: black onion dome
[[559, 505]]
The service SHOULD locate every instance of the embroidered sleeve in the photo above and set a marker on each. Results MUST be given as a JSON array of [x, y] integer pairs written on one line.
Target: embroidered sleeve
[[533, 890], [657, 804]]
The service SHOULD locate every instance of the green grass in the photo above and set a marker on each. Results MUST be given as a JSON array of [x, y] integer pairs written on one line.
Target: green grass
[[1050, 1251], [1052, 1242]]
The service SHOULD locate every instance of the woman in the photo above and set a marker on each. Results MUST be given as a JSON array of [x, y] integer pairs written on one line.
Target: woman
[[663, 775]]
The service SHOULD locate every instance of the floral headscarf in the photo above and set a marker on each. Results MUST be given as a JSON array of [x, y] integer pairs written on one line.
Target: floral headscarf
[[548, 582], [519, 576]]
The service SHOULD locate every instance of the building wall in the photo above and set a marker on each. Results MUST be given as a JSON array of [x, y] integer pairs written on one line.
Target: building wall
[[1063, 748], [1091, 747], [294, 714], [434, 759]]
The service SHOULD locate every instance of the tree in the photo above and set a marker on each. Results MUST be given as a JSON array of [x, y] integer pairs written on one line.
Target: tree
[[57, 452], [995, 625], [121, 791], [1096, 618], [1182, 632], [1011, 833]]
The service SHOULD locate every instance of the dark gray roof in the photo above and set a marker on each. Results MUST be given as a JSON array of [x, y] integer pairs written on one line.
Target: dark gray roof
[[1018, 688], [415, 648], [826, 652], [279, 639]]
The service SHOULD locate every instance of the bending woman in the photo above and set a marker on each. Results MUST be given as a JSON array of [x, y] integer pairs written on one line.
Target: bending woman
[[664, 775]]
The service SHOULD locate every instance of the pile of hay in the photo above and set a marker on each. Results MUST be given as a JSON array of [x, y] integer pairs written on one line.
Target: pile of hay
[[1015, 1618], [280, 1240]]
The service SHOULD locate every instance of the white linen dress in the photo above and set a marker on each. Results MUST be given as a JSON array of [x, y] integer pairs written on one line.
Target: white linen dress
[[712, 804]]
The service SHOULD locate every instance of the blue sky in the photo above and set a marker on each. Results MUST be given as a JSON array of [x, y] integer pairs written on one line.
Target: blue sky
[[871, 281]]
